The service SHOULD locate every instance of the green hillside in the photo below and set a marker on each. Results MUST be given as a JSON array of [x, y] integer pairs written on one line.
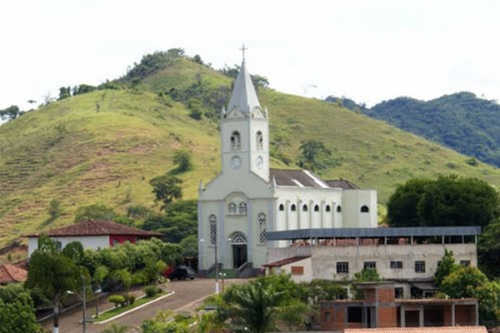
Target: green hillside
[[70, 152], [461, 121]]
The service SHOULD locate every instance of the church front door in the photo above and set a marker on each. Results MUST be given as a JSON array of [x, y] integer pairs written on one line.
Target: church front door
[[239, 255]]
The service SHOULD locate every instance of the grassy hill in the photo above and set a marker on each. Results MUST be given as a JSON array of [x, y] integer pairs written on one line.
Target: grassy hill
[[70, 152]]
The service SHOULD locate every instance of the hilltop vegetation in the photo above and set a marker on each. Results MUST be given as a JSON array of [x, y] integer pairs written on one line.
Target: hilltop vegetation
[[461, 121], [104, 146]]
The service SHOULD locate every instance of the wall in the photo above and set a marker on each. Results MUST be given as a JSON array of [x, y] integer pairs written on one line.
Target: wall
[[325, 258], [88, 242]]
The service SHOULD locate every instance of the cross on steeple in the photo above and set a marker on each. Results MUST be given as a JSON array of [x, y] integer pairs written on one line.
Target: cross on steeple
[[243, 48]]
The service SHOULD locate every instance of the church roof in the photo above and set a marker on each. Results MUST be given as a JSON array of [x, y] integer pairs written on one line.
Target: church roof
[[244, 96], [97, 228], [300, 178], [343, 183]]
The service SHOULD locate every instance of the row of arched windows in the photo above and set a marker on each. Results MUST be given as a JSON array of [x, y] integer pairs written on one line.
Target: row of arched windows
[[236, 140], [305, 208]]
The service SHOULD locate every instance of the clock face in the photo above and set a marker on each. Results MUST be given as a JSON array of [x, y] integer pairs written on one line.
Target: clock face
[[260, 162], [235, 162]]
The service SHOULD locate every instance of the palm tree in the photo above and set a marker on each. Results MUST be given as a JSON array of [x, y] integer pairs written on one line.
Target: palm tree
[[116, 329]]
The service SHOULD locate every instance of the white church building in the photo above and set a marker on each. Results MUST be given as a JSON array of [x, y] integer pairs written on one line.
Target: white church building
[[247, 200]]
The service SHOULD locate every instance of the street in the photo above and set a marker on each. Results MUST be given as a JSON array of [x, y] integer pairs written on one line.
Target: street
[[188, 296]]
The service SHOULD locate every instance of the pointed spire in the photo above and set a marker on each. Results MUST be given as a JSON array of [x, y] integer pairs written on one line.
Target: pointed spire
[[244, 96], [274, 182]]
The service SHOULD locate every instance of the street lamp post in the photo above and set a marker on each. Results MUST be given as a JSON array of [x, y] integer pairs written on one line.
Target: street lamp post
[[83, 298], [97, 292], [216, 267]]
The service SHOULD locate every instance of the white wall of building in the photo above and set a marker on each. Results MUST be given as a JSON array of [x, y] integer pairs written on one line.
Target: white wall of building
[[88, 242]]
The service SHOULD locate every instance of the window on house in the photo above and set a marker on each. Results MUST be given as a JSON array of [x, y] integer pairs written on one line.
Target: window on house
[[304, 208], [58, 245], [419, 266], [465, 263], [328, 316], [370, 265], [260, 140], [235, 141], [262, 228], [316, 208], [365, 209], [293, 208], [396, 265], [232, 208], [339, 209], [297, 270], [327, 208], [398, 293], [282, 207], [342, 267], [243, 208], [355, 314]]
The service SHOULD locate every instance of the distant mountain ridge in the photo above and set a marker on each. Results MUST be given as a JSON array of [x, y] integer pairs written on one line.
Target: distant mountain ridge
[[460, 121]]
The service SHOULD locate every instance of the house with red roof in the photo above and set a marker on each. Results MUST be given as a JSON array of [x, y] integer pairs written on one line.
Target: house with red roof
[[12, 274], [93, 235]]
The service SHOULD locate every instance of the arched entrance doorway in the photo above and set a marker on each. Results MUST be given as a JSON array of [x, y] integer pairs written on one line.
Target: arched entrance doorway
[[239, 249]]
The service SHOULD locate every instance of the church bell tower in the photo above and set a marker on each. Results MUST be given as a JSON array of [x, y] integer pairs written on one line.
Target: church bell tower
[[245, 130]]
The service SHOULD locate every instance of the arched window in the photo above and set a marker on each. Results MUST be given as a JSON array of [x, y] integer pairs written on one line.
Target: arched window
[[282, 207], [339, 209], [316, 208], [243, 208], [235, 141], [212, 227], [262, 228], [260, 140], [293, 208], [365, 209], [304, 208], [327, 208], [232, 208]]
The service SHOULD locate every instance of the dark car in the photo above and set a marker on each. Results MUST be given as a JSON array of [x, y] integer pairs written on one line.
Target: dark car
[[182, 273]]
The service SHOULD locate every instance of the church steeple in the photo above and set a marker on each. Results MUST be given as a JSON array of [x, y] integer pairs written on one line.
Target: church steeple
[[244, 97]]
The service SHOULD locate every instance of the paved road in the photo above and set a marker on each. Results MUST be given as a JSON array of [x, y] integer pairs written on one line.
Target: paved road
[[188, 296]]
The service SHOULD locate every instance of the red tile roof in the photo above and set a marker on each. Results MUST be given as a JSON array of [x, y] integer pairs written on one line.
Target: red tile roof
[[10, 274], [97, 228], [443, 329]]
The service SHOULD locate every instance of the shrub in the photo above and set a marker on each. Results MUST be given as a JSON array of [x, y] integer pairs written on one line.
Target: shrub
[[131, 298], [116, 300], [150, 291]]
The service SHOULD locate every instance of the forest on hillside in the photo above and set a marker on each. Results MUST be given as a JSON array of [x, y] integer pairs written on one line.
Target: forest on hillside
[[461, 121]]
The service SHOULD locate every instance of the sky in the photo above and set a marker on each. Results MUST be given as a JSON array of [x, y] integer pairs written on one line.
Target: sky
[[369, 51]]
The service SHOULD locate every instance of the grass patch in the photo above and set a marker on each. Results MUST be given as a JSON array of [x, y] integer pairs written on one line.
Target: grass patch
[[119, 310]]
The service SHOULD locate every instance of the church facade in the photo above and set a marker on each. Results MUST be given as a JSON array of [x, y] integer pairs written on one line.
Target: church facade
[[248, 199]]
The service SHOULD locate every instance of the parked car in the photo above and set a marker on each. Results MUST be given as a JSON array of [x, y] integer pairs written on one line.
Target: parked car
[[182, 273]]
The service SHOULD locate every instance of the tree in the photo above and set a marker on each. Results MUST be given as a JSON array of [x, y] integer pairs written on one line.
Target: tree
[[182, 158], [166, 189], [470, 282], [10, 113], [488, 249], [446, 201], [54, 272], [95, 212], [55, 209], [402, 205], [312, 151], [17, 312], [116, 329], [445, 268], [253, 307], [64, 92]]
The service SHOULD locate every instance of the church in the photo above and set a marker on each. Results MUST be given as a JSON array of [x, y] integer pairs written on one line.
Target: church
[[248, 200]]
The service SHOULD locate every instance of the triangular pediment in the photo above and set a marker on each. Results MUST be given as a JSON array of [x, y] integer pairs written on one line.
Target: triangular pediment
[[235, 113]]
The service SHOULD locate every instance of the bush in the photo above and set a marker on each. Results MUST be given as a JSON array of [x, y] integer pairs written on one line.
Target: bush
[[116, 300], [131, 298], [150, 291]]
